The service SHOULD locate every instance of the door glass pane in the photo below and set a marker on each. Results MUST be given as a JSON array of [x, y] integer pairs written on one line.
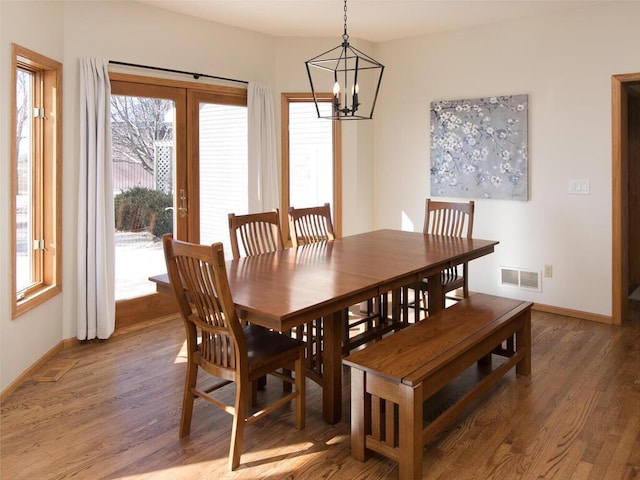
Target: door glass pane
[[143, 182], [24, 191], [223, 170], [310, 155]]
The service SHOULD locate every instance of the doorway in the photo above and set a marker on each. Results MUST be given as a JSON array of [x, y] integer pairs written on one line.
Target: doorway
[[180, 165], [626, 192]]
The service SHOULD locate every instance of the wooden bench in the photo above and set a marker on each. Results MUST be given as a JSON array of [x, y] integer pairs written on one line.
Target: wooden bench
[[391, 379]]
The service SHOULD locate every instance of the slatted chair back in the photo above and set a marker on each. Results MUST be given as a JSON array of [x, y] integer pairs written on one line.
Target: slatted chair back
[[198, 277], [255, 233], [449, 218], [310, 225], [454, 220]]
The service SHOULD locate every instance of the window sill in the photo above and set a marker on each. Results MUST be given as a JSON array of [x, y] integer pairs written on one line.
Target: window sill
[[34, 298]]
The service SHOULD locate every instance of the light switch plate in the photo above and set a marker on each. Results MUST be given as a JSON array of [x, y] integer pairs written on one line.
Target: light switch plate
[[579, 187]]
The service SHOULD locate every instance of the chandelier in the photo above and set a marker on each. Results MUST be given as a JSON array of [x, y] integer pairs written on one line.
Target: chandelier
[[354, 78]]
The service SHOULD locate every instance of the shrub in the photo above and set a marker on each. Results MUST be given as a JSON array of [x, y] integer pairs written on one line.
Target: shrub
[[143, 209]]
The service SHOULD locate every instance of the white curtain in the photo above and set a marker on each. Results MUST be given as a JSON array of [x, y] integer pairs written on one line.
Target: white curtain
[[263, 167], [96, 245]]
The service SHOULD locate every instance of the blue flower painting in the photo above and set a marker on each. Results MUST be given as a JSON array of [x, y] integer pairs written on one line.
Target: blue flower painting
[[479, 148]]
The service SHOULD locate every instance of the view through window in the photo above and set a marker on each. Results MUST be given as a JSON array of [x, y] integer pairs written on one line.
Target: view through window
[[36, 153], [143, 132], [310, 155], [26, 264]]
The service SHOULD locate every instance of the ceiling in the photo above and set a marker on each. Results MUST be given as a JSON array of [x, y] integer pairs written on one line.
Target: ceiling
[[372, 20]]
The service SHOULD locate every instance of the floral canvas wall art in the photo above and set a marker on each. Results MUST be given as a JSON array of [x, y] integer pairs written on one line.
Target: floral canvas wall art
[[479, 148]]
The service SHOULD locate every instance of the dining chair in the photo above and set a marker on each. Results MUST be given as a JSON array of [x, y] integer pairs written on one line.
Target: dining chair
[[314, 225], [310, 225], [221, 347], [255, 233], [454, 220]]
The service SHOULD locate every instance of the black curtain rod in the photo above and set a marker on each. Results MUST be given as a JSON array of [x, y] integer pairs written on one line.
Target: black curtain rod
[[193, 74]]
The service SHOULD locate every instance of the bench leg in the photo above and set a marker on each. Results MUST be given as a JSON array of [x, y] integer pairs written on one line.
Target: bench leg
[[410, 433], [360, 414]]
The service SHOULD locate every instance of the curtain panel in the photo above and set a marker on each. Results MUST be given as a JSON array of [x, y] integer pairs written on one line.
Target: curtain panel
[[264, 193], [96, 243]]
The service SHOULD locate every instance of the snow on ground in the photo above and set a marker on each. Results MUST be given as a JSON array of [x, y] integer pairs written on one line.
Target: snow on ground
[[138, 256]]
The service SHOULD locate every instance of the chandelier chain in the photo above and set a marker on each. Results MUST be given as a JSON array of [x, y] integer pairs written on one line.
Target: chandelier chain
[[345, 36]]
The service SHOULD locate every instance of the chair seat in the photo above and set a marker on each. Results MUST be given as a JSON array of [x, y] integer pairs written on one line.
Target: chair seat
[[264, 345]]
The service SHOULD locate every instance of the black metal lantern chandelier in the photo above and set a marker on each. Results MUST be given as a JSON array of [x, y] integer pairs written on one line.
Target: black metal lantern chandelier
[[354, 76]]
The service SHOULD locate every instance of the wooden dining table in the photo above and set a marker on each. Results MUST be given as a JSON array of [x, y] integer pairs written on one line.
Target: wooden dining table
[[285, 289]]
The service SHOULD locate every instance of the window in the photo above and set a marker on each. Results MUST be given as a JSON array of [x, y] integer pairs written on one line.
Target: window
[[311, 160], [36, 155]]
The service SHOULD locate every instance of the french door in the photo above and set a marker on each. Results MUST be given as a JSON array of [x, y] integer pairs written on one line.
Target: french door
[[217, 177], [179, 166]]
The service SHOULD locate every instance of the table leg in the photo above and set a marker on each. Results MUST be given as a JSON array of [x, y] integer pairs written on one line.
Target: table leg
[[436, 294], [397, 306], [332, 368]]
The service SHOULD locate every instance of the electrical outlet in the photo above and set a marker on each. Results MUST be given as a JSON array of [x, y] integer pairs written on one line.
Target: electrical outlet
[[548, 271]]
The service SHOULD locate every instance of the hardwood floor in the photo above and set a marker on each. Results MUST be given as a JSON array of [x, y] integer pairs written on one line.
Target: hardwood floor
[[115, 415]]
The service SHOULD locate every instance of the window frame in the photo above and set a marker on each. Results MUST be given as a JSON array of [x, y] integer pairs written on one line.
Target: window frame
[[47, 193], [285, 100]]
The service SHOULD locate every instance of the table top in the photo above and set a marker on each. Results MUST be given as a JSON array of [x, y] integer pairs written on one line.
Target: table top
[[318, 279], [291, 286]]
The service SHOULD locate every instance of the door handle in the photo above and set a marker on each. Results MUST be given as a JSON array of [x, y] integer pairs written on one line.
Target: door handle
[[182, 209]]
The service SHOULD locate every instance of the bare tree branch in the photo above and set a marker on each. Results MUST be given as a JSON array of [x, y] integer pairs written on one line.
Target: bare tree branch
[[137, 124]]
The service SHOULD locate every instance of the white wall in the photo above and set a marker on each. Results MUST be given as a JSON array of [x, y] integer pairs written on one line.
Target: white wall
[[565, 63], [36, 26]]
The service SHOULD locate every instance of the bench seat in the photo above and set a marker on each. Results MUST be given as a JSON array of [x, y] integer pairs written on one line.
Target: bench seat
[[391, 379]]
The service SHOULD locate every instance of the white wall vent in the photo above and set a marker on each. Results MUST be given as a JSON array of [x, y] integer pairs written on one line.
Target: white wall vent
[[521, 277]]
